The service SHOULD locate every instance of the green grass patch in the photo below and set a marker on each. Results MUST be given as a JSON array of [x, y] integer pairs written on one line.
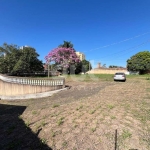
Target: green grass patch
[[60, 121], [92, 111], [80, 107], [55, 105], [126, 134], [110, 106]]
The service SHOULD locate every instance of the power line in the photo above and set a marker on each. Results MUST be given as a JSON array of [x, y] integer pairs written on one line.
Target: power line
[[118, 42], [119, 58], [130, 49]]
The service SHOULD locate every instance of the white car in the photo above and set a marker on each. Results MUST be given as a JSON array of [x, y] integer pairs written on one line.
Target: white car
[[120, 76]]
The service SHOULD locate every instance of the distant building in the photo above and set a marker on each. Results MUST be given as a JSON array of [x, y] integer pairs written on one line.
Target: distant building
[[4, 55], [22, 47], [99, 65], [80, 55]]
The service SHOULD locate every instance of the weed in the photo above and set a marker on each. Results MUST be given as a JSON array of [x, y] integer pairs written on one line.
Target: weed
[[37, 127], [101, 119], [127, 106], [143, 119], [55, 105], [80, 107], [92, 111], [62, 118], [43, 141], [74, 120], [60, 121], [113, 117], [98, 107], [20, 117], [75, 125], [44, 117], [58, 114], [43, 123], [144, 103], [126, 134], [81, 114], [142, 116], [110, 106], [64, 144], [27, 123], [100, 140], [53, 134], [34, 112], [93, 129], [148, 89]]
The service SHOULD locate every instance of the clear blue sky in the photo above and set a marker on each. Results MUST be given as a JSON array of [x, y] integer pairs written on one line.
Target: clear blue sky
[[98, 28]]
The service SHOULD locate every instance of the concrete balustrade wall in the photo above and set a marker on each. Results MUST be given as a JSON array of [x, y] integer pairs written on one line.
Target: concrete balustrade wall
[[13, 86]]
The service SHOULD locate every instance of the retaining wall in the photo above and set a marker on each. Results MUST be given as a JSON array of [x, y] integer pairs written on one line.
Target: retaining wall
[[13, 86]]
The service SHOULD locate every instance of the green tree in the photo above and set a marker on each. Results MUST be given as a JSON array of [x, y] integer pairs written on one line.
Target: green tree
[[9, 55], [139, 62], [64, 57], [83, 66], [7, 49], [86, 65], [66, 44], [28, 61], [16, 61]]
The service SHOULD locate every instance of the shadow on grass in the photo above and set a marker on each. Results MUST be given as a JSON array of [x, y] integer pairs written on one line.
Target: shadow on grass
[[14, 133]]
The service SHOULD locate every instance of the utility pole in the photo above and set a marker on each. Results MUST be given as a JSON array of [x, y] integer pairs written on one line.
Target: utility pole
[[48, 69]]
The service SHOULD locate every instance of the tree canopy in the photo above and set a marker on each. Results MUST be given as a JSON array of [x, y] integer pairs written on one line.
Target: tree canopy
[[66, 59], [139, 62], [66, 44], [63, 56], [82, 66], [14, 60]]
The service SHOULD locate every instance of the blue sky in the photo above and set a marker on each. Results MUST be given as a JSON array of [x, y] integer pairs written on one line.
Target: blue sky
[[106, 31]]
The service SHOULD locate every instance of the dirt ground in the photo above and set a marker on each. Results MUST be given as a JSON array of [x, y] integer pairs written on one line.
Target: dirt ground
[[95, 115]]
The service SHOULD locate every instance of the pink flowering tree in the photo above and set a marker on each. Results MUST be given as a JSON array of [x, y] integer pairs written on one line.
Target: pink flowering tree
[[63, 56]]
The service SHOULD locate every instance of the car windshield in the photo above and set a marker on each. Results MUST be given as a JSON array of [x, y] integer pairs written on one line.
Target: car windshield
[[119, 73]]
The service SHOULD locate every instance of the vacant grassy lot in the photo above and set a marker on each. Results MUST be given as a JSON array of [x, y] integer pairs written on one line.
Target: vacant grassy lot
[[85, 117]]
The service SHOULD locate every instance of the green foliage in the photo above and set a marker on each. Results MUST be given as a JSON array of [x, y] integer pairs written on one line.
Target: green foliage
[[126, 134], [15, 61], [55, 105], [83, 66], [139, 62], [66, 44], [110, 106], [86, 65], [60, 121], [93, 129]]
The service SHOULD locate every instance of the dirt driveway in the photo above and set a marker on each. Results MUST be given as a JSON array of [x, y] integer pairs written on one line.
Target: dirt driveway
[[101, 115]]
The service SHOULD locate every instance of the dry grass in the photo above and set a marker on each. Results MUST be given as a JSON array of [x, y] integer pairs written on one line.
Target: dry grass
[[87, 115]]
